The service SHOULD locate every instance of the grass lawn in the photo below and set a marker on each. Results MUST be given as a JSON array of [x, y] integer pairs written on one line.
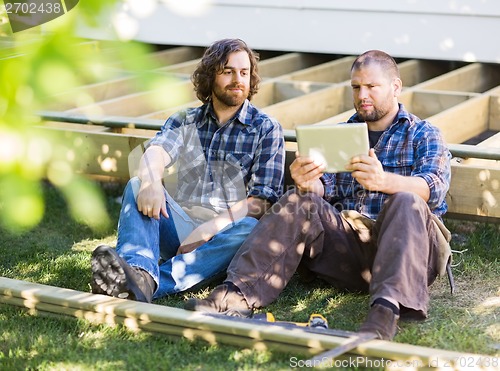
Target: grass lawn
[[58, 252]]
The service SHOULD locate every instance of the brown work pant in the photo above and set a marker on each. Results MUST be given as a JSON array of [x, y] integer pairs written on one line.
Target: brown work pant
[[396, 257]]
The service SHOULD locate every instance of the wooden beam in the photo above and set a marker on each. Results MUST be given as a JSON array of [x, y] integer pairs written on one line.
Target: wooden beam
[[140, 103], [173, 59], [72, 126], [166, 113], [474, 191], [335, 71], [176, 55], [185, 68], [493, 141], [311, 108], [476, 78], [108, 155], [275, 91], [427, 103], [286, 63], [416, 71], [463, 121], [105, 153], [494, 117], [195, 325]]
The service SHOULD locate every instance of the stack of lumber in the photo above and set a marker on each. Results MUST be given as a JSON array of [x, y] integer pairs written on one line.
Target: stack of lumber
[[40, 299]]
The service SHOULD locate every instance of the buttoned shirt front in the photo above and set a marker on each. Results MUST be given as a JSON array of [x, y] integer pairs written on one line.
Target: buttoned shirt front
[[409, 147], [218, 166]]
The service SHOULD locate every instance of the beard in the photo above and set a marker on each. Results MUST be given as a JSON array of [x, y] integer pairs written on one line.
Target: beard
[[375, 114], [372, 116], [229, 98]]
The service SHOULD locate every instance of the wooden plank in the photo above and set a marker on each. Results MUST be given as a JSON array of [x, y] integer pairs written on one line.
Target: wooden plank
[[463, 121], [185, 68], [275, 91], [140, 103], [475, 77], [166, 113], [116, 87], [106, 153], [286, 63], [341, 117], [474, 191], [494, 91], [494, 140], [88, 94], [425, 103], [311, 108], [176, 55], [491, 142], [494, 118], [416, 71], [73, 126], [335, 71], [136, 324], [152, 317]]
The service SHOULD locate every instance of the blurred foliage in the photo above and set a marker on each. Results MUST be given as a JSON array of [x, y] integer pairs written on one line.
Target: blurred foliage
[[40, 67]]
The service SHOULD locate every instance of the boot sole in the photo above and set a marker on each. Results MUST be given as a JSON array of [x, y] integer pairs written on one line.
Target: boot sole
[[112, 276]]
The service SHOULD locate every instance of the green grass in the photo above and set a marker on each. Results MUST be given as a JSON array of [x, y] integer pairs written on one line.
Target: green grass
[[58, 252]]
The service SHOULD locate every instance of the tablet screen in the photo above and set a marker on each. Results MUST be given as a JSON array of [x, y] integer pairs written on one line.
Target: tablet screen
[[333, 144]]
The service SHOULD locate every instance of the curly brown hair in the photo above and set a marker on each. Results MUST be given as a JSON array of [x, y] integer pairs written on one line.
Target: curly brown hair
[[213, 61]]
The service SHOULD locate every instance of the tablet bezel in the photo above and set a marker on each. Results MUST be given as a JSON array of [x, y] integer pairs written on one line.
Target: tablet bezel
[[333, 144]]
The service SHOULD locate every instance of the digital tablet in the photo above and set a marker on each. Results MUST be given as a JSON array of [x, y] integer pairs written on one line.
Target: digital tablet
[[333, 144]]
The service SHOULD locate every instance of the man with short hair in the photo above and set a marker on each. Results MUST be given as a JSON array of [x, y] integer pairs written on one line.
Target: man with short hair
[[373, 228], [229, 156]]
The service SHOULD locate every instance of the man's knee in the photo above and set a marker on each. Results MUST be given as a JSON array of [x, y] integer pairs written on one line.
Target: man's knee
[[406, 200], [132, 188], [295, 201]]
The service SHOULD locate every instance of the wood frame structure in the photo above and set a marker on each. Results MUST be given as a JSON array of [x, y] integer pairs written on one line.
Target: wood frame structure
[[462, 99]]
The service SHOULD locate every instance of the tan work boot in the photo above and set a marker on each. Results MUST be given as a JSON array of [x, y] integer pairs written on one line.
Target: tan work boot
[[381, 321], [224, 299]]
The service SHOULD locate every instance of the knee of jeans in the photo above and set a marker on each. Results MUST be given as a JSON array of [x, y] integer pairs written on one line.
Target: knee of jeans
[[132, 187]]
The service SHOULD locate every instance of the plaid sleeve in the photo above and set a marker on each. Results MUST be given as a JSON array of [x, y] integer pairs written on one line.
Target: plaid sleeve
[[268, 169], [329, 181], [433, 165], [170, 135]]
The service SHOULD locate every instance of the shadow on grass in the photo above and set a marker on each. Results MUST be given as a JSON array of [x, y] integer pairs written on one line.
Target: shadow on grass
[[101, 347], [56, 251]]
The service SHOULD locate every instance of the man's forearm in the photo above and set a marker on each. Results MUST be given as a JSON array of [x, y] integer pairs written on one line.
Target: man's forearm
[[152, 165], [415, 184]]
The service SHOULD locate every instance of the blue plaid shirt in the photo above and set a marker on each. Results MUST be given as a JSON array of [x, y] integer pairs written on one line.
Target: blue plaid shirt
[[409, 147], [217, 167]]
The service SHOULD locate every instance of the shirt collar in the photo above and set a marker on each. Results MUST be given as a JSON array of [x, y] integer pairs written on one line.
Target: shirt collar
[[242, 115]]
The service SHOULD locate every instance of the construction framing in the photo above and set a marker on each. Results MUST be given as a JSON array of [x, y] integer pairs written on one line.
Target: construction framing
[[40, 299], [108, 130], [462, 99]]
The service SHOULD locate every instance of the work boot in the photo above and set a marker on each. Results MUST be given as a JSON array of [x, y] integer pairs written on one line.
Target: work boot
[[224, 299], [111, 275], [382, 321]]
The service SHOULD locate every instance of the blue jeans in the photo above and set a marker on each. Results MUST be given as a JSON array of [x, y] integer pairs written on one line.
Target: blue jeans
[[145, 242]]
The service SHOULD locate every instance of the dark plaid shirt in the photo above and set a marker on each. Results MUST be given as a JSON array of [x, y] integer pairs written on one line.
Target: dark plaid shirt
[[409, 147], [219, 166]]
